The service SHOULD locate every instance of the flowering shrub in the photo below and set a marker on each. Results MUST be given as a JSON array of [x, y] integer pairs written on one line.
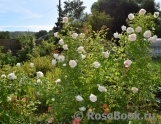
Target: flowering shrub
[[119, 77], [89, 75]]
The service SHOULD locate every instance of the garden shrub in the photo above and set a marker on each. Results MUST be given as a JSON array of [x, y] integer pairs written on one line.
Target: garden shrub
[[88, 75], [119, 77]]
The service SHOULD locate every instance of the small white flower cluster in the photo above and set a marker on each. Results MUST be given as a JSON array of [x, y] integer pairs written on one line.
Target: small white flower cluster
[[132, 35], [12, 76], [58, 58], [92, 97]]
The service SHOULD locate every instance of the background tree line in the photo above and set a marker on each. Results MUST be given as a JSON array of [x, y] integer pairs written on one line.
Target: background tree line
[[109, 13]]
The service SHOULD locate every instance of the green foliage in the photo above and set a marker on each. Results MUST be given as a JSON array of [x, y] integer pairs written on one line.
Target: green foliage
[[27, 44], [99, 19], [4, 35], [112, 74], [40, 34], [74, 9]]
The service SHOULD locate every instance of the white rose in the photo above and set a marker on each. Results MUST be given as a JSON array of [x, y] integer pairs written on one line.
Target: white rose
[[138, 29], [72, 63], [74, 35], [58, 81], [79, 98], [130, 30], [56, 55], [65, 19], [123, 28], [132, 37], [39, 74], [156, 14], [54, 62], [147, 34], [93, 98], [106, 54], [116, 35], [83, 56], [61, 58], [38, 81], [96, 64], [127, 63], [65, 47], [31, 65], [102, 88], [80, 49], [82, 108], [55, 34], [61, 42], [18, 64], [134, 89], [12, 76], [142, 12], [153, 39], [53, 99], [131, 16]]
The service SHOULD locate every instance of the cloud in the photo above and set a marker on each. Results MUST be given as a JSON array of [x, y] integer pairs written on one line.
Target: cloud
[[27, 27]]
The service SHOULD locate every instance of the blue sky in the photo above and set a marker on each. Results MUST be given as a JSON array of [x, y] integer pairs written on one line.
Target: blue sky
[[32, 15]]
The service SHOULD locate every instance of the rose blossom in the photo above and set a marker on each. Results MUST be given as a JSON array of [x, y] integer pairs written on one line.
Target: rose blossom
[[123, 28], [132, 37], [147, 34], [83, 56], [55, 55], [130, 30], [134, 89], [61, 42], [72, 63], [65, 47], [153, 39], [106, 54], [96, 64], [101, 88], [55, 34], [131, 16], [65, 19], [74, 35], [79, 98], [82, 108], [39, 74], [80, 49], [138, 29], [12, 76], [116, 35], [142, 12], [61, 58], [156, 14], [54, 62], [127, 63], [93, 98]]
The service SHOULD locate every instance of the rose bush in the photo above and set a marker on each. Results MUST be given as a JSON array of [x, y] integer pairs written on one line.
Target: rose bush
[[121, 78], [89, 75]]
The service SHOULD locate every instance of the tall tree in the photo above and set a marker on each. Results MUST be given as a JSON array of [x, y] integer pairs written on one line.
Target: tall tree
[[74, 9]]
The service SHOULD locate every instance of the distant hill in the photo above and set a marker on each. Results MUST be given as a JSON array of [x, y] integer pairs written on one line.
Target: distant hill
[[17, 33]]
